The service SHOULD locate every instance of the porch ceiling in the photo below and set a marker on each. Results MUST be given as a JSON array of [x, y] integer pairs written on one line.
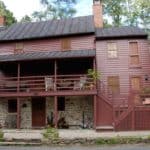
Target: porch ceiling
[[47, 55]]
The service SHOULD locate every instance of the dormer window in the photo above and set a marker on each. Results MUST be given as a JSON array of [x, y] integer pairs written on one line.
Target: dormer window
[[65, 44], [18, 48]]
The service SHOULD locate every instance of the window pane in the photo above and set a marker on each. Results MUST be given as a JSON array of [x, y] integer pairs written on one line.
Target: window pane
[[133, 48], [134, 60], [135, 83], [112, 50], [112, 54]]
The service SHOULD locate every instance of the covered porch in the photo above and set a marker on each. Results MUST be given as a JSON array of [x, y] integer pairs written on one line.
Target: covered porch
[[44, 83]]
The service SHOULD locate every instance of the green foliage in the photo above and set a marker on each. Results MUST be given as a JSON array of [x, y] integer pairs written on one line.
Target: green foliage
[[145, 90], [119, 140], [114, 10], [55, 9], [10, 19], [51, 134], [26, 18], [1, 136], [93, 74], [128, 13]]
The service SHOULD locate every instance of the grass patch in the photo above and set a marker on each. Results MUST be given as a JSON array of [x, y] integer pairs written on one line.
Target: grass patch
[[51, 134], [119, 140], [1, 136]]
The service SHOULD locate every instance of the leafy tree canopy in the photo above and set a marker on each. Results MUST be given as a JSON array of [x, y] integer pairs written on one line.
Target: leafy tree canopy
[[10, 19], [55, 9]]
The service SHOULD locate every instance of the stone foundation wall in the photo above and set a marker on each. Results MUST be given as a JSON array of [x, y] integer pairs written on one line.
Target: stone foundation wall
[[3, 112], [75, 108], [26, 114]]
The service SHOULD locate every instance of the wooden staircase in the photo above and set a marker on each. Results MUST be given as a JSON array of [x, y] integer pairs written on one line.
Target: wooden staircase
[[112, 117]]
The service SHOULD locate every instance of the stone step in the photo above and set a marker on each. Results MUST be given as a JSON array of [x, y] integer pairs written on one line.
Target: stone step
[[23, 136], [105, 128]]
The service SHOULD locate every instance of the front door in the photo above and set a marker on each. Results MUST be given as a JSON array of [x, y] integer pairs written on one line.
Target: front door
[[38, 112]]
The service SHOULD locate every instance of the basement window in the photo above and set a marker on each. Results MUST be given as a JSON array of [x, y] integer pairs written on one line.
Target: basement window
[[61, 104], [12, 106]]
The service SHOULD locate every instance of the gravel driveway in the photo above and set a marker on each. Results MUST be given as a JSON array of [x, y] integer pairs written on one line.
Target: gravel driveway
[[122, 147]]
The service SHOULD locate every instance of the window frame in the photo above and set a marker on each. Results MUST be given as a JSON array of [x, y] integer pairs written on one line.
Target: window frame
[[112, 50]]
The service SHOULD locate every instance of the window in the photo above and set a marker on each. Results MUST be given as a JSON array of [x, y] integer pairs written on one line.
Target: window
[[134, 55], [61, 104], [135, 83], [18, 48], [12, 106], [112, 50], [66, 44], [113, 84]]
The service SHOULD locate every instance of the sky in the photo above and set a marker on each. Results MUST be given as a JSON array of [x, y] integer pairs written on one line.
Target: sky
[[21, 8]]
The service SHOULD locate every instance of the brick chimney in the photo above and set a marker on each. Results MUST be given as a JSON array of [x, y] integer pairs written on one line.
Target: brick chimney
[[98, 13], [2, 21]]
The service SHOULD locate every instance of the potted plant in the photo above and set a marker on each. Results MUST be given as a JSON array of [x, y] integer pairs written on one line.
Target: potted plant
[[94, 75]]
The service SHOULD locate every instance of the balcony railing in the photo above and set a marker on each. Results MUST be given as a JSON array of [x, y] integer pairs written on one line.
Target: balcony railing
[[46, 83]]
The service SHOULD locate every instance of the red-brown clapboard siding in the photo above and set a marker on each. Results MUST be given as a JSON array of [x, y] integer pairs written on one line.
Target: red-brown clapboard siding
[[120, 66], [77, 43]]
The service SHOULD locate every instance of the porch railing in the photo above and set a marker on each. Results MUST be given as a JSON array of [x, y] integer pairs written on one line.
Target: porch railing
[[46, 83]]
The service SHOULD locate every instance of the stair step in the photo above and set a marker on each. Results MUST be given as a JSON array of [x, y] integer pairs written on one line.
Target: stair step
[[104, 128]]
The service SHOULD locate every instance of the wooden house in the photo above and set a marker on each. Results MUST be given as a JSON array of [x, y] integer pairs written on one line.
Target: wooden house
[[44, 79]]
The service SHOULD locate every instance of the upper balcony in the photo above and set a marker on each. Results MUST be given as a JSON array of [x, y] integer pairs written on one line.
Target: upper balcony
[[47, 85], [47, 78]]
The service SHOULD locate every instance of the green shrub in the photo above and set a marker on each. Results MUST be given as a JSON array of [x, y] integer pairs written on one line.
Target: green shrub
[[118, 140], [51, 134], [1, 136]]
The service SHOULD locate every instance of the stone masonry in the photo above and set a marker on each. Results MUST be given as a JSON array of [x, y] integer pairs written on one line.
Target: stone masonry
[[78, 111]]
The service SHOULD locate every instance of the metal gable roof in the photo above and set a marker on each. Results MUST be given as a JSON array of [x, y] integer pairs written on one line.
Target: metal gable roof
[[51, 28], [102, 33]]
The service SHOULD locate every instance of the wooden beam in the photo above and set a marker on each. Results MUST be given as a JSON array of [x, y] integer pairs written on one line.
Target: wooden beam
[[95, 110], [18, 99], [45, 93], [18, 113], [18, 78], [55, 111], [55, 75]]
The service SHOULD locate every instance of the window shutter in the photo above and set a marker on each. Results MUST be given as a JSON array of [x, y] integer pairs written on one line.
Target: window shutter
[[133, 48], [135, 83], [114, 84], [66, 44], [18, 48]]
